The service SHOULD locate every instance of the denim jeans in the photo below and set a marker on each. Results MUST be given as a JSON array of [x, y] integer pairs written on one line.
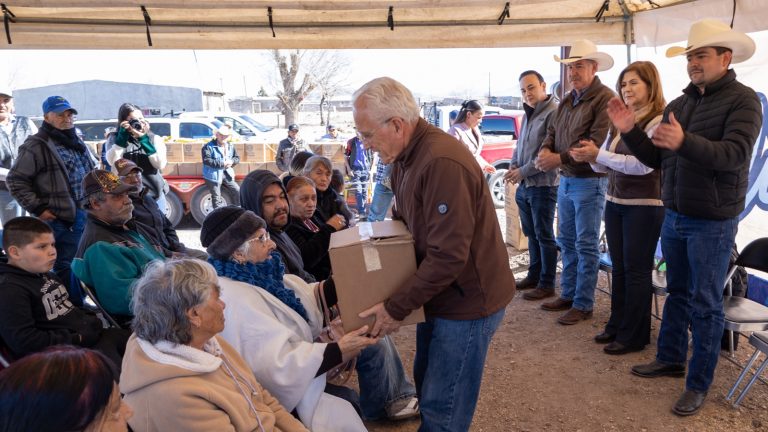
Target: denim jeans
[[9, 208], [536, 206], [448, 369], [697, 252], [382, 198], [67, 238], [632, 232], [359, 183], [580, 203], [381, 378], [215, 189]]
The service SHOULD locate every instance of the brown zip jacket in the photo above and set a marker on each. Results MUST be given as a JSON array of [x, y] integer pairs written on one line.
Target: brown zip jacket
[[441, 194]]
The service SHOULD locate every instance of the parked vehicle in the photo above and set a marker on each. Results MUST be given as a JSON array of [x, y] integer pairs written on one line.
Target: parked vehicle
[[244, 124], [187, 187], [500, 132]]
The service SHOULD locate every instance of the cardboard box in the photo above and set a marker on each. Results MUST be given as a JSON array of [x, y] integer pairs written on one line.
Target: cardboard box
[[371, 261], [193, 152], [191, 169], [515, 236], [174, 152], [253, 152], [171, 169]]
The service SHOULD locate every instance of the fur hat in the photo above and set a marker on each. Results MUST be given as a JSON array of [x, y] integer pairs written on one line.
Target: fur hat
[[227, 228], [713, 33], [583, 49]]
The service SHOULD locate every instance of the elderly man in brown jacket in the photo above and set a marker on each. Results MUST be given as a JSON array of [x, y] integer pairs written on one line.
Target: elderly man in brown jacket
[[463, 278], [580, 120]]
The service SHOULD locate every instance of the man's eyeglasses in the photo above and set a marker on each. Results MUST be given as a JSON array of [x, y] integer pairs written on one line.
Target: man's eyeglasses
[[366, 136], [263, 239]]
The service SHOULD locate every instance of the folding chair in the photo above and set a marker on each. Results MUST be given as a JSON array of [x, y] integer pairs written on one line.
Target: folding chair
[[760, 341], [743, 314], [91, 297], [658, 280], [606, 265]]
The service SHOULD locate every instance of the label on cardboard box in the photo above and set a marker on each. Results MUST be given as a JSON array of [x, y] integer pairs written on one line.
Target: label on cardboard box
[[370, 262]]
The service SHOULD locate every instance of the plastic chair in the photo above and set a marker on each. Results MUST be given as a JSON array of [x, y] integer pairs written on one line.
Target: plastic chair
[[760, 341], [743, 314]]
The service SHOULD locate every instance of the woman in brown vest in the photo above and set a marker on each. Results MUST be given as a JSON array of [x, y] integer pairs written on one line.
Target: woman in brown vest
[[633, 213]]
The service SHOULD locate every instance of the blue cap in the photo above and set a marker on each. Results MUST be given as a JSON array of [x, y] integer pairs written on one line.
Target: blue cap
[[57, 104]]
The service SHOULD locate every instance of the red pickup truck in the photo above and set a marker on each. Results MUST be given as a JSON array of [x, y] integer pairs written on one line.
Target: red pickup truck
[[500, 132]]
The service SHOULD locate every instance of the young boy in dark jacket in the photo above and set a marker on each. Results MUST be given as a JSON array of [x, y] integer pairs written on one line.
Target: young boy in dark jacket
[[35, 310]]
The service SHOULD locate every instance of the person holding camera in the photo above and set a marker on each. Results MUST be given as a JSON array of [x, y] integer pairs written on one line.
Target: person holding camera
[[135, 141]]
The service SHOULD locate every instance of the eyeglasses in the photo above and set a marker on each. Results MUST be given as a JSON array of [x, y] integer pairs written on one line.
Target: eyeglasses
[[263, 239], [366, 136]]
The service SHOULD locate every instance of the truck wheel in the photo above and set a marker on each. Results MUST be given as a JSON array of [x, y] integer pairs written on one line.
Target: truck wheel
[[175, 210], [202, 204], [496, 185]]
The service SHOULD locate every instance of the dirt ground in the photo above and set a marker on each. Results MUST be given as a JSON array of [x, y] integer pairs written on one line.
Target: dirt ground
[[542, 376]]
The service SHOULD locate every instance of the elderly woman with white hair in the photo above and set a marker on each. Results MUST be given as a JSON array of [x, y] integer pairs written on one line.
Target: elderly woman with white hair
[[329, 202], [177, 373]]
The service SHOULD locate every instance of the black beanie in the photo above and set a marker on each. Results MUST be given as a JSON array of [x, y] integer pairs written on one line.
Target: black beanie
[[226, 228]]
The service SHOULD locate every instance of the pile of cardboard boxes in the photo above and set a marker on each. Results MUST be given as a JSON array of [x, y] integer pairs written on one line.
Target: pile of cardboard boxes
[[515, 236]]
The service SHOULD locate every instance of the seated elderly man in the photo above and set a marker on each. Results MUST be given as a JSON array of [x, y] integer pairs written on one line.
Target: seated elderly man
[[147, 214], [384, 389], [114, 249]]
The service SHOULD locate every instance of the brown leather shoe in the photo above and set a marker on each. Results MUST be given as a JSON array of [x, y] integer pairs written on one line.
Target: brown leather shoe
[[574, 316], [526, 283], [539, 293], [558, 304]]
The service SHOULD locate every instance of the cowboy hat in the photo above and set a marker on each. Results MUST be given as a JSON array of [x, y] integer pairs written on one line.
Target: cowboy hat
[[713, 33], [583, 49]]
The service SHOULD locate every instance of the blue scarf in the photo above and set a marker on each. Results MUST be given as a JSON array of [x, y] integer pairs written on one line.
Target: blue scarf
[[267, 275]]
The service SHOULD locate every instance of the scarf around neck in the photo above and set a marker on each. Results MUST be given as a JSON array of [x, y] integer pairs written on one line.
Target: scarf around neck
[[267, 275], [67, 138]]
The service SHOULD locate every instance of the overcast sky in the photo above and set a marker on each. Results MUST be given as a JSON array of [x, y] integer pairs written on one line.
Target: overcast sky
[[428, 73]]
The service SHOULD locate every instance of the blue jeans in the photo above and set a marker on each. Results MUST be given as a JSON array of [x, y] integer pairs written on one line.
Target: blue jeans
[[580, 203], [697, 253], [448, 369], [9, 208], [381, 378], [67, 238], [382, 198], [536, 206], [359, 183]]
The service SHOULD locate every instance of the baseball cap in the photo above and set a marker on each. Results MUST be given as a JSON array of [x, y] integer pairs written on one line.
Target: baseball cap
[[125, 166], [6, 92], [57, 104], [293, 127], [330, 126], [106, 182]]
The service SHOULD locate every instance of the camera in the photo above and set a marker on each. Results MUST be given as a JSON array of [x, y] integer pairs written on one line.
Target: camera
[[135, 124]]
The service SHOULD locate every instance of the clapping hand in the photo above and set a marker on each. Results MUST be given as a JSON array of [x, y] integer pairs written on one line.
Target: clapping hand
[[669, 135]]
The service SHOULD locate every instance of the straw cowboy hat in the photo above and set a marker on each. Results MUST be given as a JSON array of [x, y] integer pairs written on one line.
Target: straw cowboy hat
[[583, 49], [713, 33]]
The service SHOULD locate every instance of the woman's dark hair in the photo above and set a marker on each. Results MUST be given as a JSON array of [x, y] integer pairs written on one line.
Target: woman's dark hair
[[125, 110], [61, 389], [469, 106], [337, 181], [298, 161]]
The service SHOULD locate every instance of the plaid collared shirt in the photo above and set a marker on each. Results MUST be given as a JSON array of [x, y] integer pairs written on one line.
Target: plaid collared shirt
[[382, 173], [78, 165]]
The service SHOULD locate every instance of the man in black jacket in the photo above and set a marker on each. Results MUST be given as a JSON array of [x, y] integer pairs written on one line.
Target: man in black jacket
[[147, 214], [703, 148]]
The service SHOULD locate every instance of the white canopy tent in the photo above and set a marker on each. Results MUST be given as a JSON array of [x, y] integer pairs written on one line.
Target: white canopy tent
[[336, 24]]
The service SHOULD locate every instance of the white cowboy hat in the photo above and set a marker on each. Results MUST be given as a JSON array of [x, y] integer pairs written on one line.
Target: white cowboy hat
[[713, 33], [583, 49]]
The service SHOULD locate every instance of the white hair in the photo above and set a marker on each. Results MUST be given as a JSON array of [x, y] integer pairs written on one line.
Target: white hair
[[385, 98]]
